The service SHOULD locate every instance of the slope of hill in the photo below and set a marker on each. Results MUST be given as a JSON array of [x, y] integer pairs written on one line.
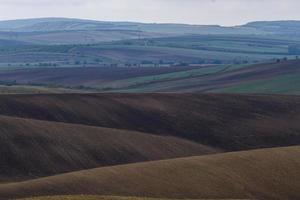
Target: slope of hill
[[31, 148], [75, 31], [67, 24], [86, 76], [281, 78], [266, 78], [289, 27], [259, 174], [230, 122]]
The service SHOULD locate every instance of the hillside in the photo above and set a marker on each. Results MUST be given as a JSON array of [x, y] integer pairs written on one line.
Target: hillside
[[264, 78], [259, 174], [87, 76], [78, 31], [32, 148], [230, 122], [68, 24]]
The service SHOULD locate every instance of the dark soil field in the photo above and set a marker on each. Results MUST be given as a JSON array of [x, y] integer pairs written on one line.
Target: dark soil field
[[258, 174], [117, 145], [25, 143], [231, 122]]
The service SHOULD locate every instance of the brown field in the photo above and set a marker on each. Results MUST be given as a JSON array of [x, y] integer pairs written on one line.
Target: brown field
[[230, 122], [32, 148], [149, 146], [88, 76], [257, 174], [94, 197]]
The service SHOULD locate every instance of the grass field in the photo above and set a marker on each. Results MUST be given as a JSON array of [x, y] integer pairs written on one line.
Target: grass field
[[190, 49], [27, 89], [267, 78], [285, 84]]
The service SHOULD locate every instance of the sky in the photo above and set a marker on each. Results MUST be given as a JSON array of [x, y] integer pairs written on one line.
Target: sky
[[221, 12]]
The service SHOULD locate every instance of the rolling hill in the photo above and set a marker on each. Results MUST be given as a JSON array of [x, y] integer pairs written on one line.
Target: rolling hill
[[69, 24], [229, 122], [265, 78], [136, 111], [258, 174], [79, 31], [32, 148], [160, 145]]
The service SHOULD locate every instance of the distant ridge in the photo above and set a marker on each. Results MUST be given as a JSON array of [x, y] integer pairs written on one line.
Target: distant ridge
[[59, 24]]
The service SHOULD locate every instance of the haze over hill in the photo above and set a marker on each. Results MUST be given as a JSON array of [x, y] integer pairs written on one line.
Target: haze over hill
[[67, 24], [50, 30]]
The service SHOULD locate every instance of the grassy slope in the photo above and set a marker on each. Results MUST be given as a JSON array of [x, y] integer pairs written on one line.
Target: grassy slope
[[279, 78], [230, 77], [188, 48], [31, 148], [26, 89], [175, 81], [231, 122], [260, 174], [222, 43], [285, 84], [88, 76]]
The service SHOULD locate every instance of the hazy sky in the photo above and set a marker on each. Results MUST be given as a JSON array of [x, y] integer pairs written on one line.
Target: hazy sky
[[223, 12]]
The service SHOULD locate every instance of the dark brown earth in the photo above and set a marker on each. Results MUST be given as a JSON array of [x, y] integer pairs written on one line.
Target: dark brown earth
[[229, 122], [32, 148], [44, 136], [259, 174]]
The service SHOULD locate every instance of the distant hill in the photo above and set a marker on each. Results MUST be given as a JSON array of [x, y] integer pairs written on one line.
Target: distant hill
[[10, 43], [276, 27], [68, 24], [259, 174]]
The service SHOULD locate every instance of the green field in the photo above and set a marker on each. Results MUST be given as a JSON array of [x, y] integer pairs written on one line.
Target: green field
[[286, 84], [188, 49]]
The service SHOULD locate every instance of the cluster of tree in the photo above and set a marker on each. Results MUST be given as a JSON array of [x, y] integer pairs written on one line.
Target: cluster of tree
[[45, 64], [294, 49], [8, 83]]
